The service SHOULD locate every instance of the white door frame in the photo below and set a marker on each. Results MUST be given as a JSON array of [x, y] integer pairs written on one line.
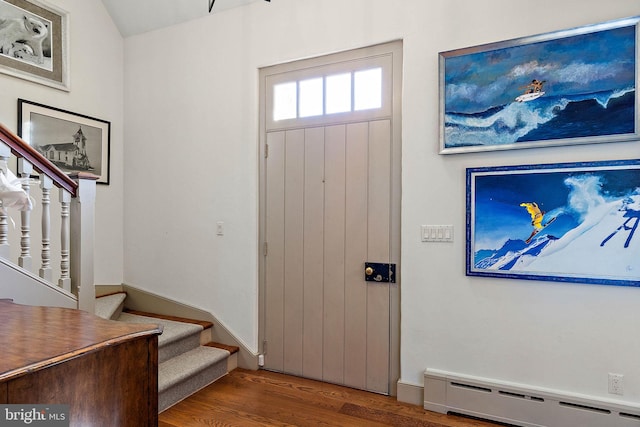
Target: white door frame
[[395, 48]]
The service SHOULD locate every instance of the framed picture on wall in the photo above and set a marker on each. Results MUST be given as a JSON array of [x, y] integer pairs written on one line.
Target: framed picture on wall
[[73, 142], [576, 86], [34, 42], [566, 222]]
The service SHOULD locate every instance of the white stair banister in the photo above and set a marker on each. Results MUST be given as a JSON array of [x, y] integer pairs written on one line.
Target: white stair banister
[[77, 195]]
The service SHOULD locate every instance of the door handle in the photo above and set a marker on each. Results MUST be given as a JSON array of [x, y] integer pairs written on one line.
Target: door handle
[[379, 272]]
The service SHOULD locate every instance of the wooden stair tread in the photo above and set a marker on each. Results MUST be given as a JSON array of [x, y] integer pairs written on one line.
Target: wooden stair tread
[[205, 324], [230, 348], [111, 294]]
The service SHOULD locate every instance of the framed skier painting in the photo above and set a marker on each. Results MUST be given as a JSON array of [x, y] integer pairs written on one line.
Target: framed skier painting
[[565, 222], [73, 142], [576, 86]]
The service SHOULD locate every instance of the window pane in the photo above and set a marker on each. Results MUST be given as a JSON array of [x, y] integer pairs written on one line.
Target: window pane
[[338, 93], [368, 89], [284, 101], [311, 97]]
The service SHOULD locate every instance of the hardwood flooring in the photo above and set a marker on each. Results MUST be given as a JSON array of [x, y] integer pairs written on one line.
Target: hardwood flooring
[[262, 398]]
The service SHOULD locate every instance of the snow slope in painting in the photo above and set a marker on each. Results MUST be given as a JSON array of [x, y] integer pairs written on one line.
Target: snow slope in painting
[[589, 85], [594, 236]]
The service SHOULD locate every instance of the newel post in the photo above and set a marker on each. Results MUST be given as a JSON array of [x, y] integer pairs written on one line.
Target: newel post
[[82, 216]]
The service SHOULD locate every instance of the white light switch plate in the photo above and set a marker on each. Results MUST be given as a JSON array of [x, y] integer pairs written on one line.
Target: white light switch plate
[[436, 233]]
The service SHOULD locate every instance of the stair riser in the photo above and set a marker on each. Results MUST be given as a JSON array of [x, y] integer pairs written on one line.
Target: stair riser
[[201, 379], [206, 336], [232, 362], [169, 350]]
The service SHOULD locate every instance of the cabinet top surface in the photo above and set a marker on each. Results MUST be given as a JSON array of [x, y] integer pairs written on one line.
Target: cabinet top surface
[[33, 338]]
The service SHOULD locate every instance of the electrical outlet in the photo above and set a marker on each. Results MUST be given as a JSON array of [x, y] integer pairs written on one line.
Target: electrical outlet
[[616, 385]]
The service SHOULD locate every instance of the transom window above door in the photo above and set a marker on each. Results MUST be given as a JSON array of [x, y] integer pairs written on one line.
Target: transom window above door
[[356, 89], [332, 94]]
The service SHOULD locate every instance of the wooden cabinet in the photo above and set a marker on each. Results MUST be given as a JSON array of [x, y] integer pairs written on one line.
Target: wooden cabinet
[[106, 371]]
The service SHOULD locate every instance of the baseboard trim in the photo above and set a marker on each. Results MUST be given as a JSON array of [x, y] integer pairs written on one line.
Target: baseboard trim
[[410, 393]]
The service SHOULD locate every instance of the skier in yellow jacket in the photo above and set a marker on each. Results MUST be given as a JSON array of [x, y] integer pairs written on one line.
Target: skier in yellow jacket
[[535, 212]]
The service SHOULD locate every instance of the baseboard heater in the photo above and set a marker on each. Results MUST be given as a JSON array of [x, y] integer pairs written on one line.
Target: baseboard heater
[[520, 405]]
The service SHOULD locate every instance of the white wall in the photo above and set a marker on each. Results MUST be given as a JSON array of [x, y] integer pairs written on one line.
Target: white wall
[[96, 70], [191, 159]]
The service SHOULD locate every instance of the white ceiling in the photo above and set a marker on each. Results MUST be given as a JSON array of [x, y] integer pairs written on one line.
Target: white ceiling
[[139, 16]]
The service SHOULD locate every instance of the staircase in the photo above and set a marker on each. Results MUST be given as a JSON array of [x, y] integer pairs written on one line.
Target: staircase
[[187, 359]]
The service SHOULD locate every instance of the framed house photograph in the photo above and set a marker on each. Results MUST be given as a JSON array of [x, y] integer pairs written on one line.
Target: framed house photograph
[[576, 86], [566, 222], [73, 142], [34, 42]]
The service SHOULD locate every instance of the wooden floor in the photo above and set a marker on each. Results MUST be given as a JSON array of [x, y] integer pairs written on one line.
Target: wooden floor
[[261, 398]]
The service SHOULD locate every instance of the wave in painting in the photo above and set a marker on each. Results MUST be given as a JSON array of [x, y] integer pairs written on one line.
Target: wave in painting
[[546, 118]]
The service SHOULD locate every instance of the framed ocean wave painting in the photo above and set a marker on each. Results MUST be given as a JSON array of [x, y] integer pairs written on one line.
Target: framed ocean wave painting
[[565, 222], [576, 86]]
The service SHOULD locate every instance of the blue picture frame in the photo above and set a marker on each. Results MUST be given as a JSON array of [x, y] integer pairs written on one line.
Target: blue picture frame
[[575, 86], [564, 222]]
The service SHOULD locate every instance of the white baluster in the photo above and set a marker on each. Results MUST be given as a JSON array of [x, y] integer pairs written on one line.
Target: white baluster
[[45, 184], [5, 152], [24, 260], [4, 233], [65, 202]]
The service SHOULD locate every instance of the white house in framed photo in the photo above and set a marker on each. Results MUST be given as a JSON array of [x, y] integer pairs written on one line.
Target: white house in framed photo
[[252, 178], [69, 155]]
